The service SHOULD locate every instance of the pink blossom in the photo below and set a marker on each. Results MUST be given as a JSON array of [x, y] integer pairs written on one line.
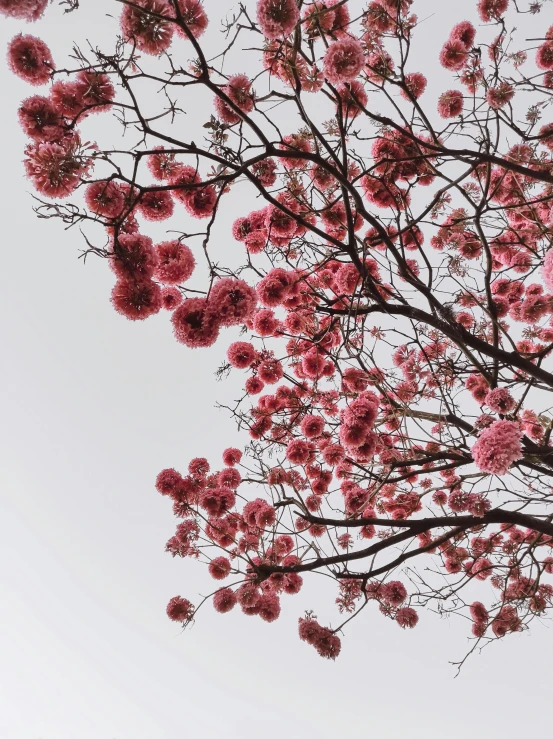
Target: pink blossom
[[415, 83], [219, 568], [500, 95], [55, 169], [229, 478], [175, 262], [28, 10], [40, 120], [30, 59], [312, 426], [232, 300], [277, 18], [498, 446], [544, 56], [180, 609], [489, 10], [194, 325], [136, 300], [133, 257], [198, 467], [162, 164], [453, 55], [156, 205], [547, 270], [450, 104], [274, 287], [105, 198], [407, 618], [241, 354], [298, 451], [224, 600], [254, 385], [464, 32], [194, 17], [344, 60], [232, 456], [168, 481], [171, 298], [151, 34], [353, 99], [324, 640], [96, 90], [500, 400], [217, 501]]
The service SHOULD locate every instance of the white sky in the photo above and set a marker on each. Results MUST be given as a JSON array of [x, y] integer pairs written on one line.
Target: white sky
[[93, 407]]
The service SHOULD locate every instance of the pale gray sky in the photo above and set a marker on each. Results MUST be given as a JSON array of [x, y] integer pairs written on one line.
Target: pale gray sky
[[93, 407]]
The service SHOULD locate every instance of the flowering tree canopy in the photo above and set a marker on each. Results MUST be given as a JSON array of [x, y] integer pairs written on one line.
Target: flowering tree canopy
[[392, 298]]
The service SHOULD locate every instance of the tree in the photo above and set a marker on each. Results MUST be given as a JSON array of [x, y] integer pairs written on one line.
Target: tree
[[395, 290]]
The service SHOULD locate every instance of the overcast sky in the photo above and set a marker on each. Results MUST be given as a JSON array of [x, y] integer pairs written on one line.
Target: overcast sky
[[92, 408]]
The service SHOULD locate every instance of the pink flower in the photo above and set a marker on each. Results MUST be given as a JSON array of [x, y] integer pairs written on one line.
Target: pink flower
[[232, 456], [175, 262], [232, 300], [219, 568], [151, 34], [55, 169], [489, 10], [239, 91], [198, 467], [224, 600], [352, 99], [254, 385], [407, 618], [171, 298], [312, 426], [194, 17], [416, 84], [394, 593], [217, 501], [544, 56], [265, 172], [269, 606], [194, 325], [180, 609], [229, 478], [479, 612], [274, 287], [547, 270], [298, 451], [96, 90], [30, 58], [277, 18], [40, 120], [500, 95], [133, 257], [168, 481], [464, 32], [156, 205], [225, 112], [241, 354], [136, 300], [105, 198], [500, 400], [453, 55], [67, 98], [325, 642], [200, 201], [498, 446], [450, 104], [343, 61], [28, 10], [162, 164]]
